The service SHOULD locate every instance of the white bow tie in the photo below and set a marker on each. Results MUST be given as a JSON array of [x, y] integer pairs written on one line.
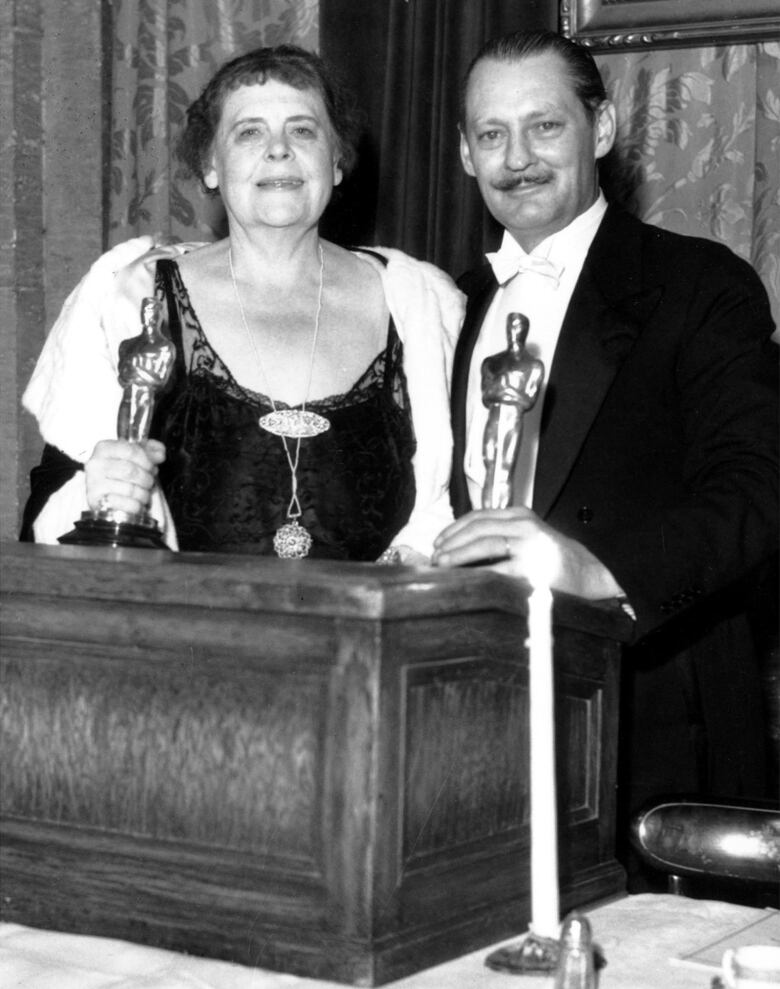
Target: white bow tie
[[510, 259]]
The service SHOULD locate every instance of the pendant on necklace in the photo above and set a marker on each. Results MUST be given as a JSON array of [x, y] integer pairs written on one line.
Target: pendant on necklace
[[292, 541], [294, 423]]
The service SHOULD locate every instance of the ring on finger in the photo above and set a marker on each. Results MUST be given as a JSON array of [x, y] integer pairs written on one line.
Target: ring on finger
[[507, 548], [103, 504]]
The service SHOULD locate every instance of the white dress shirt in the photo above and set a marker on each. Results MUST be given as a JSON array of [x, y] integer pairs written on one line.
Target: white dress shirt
[[544, 299]]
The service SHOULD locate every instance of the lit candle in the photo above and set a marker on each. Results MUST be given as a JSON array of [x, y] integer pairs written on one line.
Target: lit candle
[[545, 908]]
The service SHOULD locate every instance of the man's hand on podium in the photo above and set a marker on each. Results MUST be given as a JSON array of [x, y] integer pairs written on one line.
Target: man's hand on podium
[[506, 539]]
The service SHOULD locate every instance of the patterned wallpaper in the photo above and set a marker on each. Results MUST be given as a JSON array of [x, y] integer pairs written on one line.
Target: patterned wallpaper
[[164, 53], [699, 145], [699, 141]]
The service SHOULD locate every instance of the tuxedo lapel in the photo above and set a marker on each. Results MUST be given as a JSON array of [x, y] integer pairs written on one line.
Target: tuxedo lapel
[[609, 305], [606, 312]]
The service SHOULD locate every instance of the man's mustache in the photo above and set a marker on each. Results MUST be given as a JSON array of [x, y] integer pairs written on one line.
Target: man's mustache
[[515, 181]]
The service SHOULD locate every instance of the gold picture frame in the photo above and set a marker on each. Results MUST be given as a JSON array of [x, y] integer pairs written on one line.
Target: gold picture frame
[[605, 25]]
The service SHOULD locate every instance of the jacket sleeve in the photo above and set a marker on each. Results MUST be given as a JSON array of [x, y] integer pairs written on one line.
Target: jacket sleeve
[[684, 551]]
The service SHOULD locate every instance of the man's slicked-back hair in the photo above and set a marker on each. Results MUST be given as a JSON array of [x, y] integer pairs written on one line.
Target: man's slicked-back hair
[[580, 65]]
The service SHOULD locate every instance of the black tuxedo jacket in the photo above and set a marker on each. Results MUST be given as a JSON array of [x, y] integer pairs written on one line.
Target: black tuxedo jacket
[[659, 448]]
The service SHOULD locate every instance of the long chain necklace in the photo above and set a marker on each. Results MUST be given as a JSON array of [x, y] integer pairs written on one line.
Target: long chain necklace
[[291, 540]]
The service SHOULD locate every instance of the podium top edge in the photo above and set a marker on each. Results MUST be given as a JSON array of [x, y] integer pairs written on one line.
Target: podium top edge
[[263, 583]]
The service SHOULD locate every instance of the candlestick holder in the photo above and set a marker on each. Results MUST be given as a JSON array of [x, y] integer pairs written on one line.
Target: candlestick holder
[[574, 956], [534, 955]]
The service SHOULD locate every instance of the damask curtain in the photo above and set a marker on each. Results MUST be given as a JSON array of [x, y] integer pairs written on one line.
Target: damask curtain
[[408, 67], [699, 145], [164, 52]]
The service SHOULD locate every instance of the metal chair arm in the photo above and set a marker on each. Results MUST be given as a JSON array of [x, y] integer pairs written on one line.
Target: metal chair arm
[[737, 840]]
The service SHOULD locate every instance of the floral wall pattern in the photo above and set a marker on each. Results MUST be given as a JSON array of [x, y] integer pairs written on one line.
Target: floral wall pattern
[[164, 51], [699, 142], [699, 145]]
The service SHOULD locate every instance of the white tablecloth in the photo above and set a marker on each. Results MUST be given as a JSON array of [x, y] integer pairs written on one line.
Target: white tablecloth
[[639, 936]]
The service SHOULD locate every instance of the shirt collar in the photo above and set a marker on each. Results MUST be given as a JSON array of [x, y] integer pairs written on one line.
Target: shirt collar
[[570, 245]]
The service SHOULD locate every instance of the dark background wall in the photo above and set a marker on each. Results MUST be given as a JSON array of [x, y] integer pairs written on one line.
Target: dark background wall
[[406, 61]]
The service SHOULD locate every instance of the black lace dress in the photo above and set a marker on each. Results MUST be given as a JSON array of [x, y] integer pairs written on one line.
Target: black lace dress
[[228, 482]]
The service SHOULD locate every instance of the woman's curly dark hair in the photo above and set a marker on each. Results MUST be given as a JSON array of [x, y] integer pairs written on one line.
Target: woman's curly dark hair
[[285, 63]]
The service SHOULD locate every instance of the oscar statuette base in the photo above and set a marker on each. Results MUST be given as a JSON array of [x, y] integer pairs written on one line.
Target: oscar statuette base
[[112, 528]]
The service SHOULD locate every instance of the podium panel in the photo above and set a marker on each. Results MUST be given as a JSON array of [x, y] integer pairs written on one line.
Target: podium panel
[[313, 767]]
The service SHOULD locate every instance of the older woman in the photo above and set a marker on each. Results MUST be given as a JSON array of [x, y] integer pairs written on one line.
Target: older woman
[[308, 412]]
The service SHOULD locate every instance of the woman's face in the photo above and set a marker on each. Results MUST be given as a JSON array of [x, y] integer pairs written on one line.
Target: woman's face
[[274, 157]]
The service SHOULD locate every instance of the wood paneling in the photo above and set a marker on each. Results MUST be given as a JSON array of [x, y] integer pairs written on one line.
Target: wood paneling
[[315, 767]]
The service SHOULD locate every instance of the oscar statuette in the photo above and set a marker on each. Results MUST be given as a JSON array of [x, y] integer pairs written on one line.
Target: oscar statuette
[[511, 380], [145, 366]]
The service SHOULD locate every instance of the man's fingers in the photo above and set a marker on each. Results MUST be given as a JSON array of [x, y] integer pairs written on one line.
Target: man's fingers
[[490, 530], [483, 521], [477, 549]]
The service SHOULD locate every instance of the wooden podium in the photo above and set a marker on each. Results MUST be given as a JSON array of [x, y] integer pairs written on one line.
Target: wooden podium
[[314, 767]]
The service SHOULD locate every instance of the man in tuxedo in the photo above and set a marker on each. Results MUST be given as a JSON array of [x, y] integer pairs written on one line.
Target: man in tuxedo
[[650, 460]]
